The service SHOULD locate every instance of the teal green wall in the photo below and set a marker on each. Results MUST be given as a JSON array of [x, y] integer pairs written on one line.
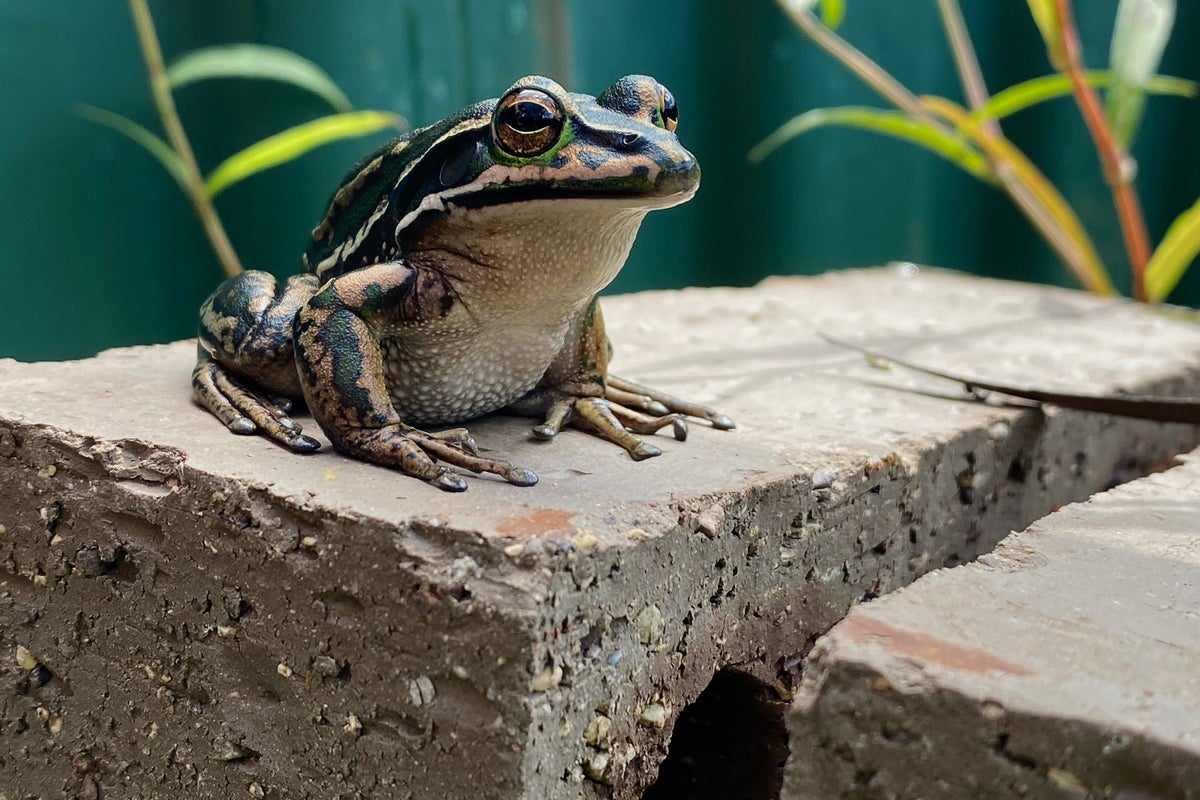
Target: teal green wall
[[100, 248]]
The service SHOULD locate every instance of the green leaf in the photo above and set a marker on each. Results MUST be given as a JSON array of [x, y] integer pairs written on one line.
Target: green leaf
[[1174, 255], [1050, 26], [1048, 87], [1139, 36], [832, 13], [890, 123], [153, 144], [256, 61], [287, 145]]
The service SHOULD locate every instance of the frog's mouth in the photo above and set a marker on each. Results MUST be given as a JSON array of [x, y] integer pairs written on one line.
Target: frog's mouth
[[639, 190], [530, 193]]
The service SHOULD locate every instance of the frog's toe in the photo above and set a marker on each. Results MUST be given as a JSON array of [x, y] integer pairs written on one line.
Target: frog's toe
[[242, 425], [244, 412], [635, 395], [642, 450], [637, 422], [282, 405], [460, 438], [449, 481], [722, 422], [303, 444], [519, 476], [545, 432]]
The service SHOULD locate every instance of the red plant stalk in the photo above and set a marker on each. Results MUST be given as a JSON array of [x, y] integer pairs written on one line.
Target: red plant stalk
[[1112, 157]]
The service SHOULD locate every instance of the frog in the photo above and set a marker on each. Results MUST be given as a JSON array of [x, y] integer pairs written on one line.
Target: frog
[[456, 273]]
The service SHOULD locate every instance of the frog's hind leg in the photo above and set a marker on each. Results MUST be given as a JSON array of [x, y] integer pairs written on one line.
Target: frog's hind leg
[[343, 379], [245, 367], [579, 390]]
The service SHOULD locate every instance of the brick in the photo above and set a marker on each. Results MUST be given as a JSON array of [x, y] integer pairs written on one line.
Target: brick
[[1066, 664], [212, 615]]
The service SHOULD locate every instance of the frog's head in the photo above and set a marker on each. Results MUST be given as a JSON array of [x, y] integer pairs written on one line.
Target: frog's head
[[540, 142], [621, 143]]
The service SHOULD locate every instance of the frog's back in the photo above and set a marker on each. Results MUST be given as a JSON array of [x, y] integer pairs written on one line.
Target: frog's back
[[359, 225]]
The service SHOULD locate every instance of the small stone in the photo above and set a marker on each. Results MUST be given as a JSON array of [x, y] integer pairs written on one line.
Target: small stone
[[636, 534], [710, 521], [421, 691], [283, 669], [991, 710], [514, 550], [226, 631], [654, 716], [25, 659], [460, 672], [596, 732], [584, 540], [256, 790], [325, 666], [823, 478], [225, 750], [1066, 780], [595, 767], [547, 679], [353, 725], [649, 622]]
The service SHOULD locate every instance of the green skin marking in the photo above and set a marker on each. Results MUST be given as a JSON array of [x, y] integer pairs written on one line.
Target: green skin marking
[[385, 280]]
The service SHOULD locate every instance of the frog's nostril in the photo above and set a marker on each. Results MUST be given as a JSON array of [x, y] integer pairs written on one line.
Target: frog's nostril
[[630, 139]]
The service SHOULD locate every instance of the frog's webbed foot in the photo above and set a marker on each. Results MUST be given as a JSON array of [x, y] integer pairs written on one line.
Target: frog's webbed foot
[[245, 411], [625, 411], [416, 452], [635, 395]]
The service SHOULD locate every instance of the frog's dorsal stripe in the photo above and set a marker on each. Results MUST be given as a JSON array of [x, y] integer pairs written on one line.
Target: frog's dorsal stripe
[[375, 168]]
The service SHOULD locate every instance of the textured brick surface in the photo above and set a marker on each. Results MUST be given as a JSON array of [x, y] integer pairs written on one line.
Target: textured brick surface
[[1066, 664], [183, 611]]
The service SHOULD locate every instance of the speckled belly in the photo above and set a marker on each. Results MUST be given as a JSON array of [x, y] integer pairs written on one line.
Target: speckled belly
[[456, 380]]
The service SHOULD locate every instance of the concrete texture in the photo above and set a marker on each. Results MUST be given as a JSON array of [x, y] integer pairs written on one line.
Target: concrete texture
[[1066, 664], [184, 612]]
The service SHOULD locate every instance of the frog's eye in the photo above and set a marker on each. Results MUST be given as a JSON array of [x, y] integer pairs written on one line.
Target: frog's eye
[[527, 123], [667, 108]]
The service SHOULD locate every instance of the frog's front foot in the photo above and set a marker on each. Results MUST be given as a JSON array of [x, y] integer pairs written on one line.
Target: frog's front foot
[[243, 410], [627, 409], [416, 452]]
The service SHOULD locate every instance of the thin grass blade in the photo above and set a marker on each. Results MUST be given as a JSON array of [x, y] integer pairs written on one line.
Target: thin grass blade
[[832, 13], [256, 61], [1082, 257], [1050, 26], [1027, 94], [294, 142], [897, 125], [1139, 37], [152, 143], [1174, 255]]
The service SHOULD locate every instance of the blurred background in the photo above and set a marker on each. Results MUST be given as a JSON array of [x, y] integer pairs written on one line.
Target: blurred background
[[100, 247]]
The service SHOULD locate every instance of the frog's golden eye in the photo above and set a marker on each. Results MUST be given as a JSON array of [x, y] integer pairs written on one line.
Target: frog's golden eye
[[667, 108], [527, 122]]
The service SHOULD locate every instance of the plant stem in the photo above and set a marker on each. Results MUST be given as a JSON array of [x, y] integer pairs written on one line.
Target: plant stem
[[969, 72], [1114, 161], [1035, 196], [161, 90], [867, 70]]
